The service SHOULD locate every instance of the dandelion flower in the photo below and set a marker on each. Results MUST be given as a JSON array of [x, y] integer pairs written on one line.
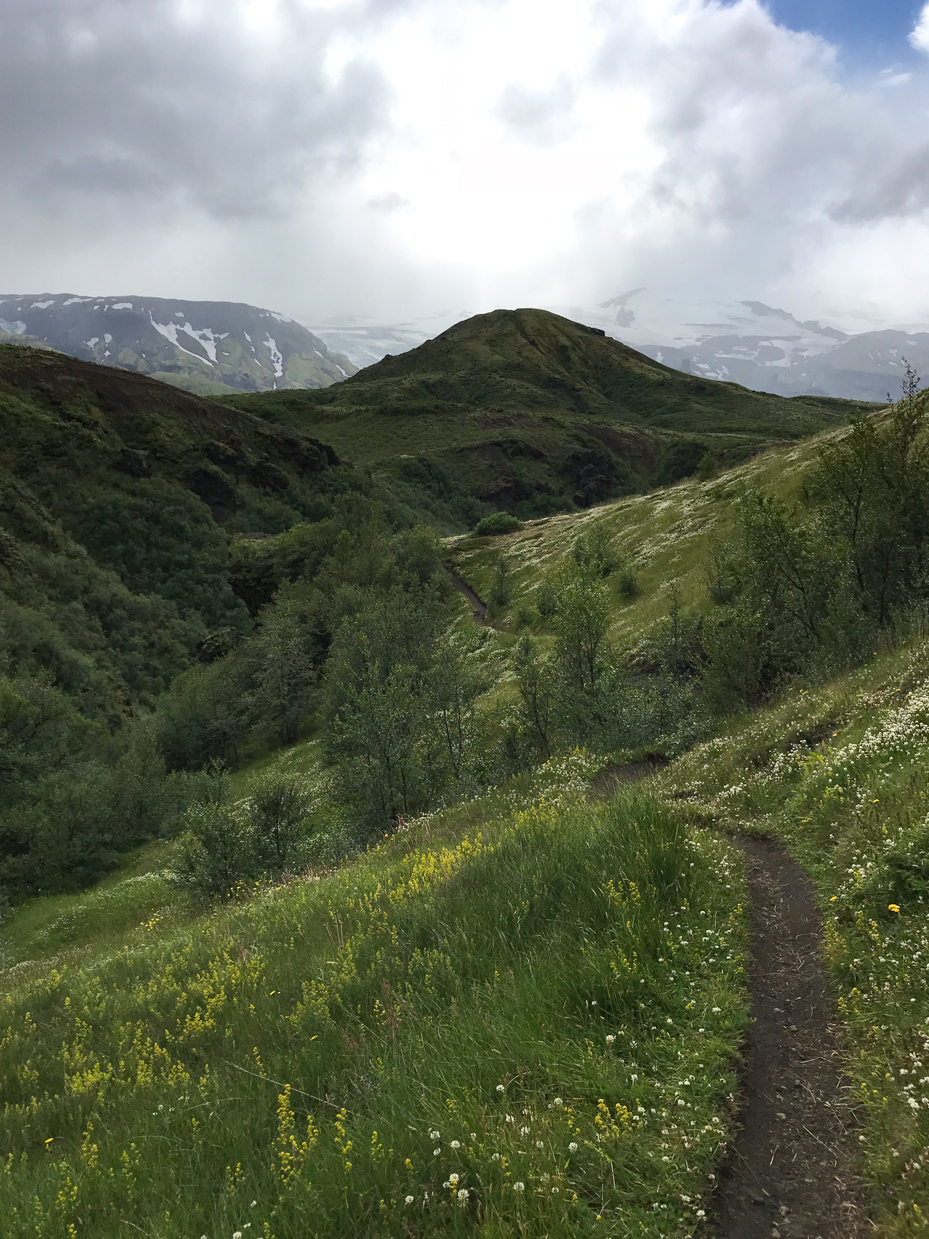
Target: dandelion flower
[[893, 907]]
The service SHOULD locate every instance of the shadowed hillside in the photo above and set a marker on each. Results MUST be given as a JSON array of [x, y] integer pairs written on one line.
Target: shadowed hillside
[[534, 413]]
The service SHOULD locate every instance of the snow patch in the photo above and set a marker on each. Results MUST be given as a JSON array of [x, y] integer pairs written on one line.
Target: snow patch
[[107, 338], [344, 373], [92, 342], [248, 337], [76, 300], [205, 338], [122, 305], [42, 305], [276, 356]]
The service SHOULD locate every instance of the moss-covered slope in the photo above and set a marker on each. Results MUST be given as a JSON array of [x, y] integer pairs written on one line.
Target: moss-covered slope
[[536, 413]]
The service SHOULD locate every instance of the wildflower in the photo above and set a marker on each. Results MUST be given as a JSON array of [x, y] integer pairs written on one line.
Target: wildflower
[[519, 1186], [236, 1234], [572, 1147], [701, 1213], [253, 1203], [501, 1088], [524, 1131], [495, 1157], [610, 1038], [436, 1152], [558, 1101], [893, 907], [435, 1135], [455, 1144], [409, 1200], [463, 1195], [452, 1179]]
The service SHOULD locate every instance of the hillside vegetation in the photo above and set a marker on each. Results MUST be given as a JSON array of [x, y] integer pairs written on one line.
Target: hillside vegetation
[[399, 953], [530, 412]]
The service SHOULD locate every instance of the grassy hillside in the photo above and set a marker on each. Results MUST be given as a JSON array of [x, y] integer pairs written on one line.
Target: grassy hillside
[[472, 1029], [492, 991], [535, 413], [117, 494]]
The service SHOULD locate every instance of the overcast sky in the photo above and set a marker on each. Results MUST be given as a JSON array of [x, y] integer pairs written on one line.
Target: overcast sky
[[399, 157]]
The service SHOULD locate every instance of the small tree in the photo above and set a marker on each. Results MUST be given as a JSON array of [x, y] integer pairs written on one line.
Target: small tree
[[278, 821], [537, 692]]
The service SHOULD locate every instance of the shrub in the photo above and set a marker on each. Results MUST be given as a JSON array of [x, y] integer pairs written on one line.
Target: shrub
[[497, 522], [628, 584]]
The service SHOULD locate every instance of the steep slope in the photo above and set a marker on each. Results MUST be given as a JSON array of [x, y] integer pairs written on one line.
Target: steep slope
[[206, 346], [114, 490], [536, 413]]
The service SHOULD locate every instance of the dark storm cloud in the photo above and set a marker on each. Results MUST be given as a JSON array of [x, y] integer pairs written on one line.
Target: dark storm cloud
[[140, 103]]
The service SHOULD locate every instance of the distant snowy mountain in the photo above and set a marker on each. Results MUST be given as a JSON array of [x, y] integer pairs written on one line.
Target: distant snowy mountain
[[745, 342], [761, 347], [200, 345]]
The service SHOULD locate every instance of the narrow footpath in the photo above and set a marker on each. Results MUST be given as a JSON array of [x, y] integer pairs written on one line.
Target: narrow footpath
[[789, 1171], [478, 608]]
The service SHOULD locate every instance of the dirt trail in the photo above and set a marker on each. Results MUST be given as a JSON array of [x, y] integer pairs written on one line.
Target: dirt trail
[[478, 608], [788, 1174]]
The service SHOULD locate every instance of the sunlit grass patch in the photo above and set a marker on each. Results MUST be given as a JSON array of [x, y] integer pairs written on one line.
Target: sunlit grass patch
[[556, 996]]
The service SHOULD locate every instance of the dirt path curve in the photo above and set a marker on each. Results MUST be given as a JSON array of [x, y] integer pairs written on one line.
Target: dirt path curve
[[788, 1174], [478, 608]]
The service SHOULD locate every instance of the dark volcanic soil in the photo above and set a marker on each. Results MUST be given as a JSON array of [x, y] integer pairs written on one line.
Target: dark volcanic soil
[[789, 1172], [478, 608]]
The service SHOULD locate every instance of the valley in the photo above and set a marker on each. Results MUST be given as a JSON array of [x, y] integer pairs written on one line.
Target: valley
[[364, 869]]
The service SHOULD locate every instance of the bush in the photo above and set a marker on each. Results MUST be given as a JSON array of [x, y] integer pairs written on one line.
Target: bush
[[232, 844], [497, 522], [628, 584]]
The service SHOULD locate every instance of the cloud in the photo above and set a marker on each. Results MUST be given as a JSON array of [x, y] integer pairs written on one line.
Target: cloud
[[919, 36], [542, 117], [224, 107], [391, 157]]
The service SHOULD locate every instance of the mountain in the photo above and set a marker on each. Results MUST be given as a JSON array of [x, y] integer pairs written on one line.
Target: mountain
[[746, 342], [118, 499], [532, 412], [205, 346]]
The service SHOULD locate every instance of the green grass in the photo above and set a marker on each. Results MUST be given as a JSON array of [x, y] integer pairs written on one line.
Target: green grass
[[665, 537], [556, 995], [840, 772], [526, 409]]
